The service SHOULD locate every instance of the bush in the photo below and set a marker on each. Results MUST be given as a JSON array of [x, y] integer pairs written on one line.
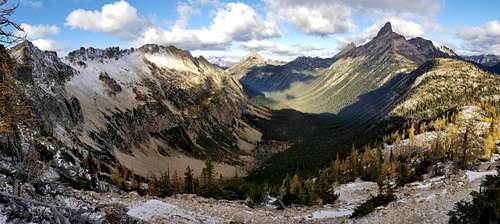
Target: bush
[[485, 205], [330, 197], [45, 154], [372, 203]]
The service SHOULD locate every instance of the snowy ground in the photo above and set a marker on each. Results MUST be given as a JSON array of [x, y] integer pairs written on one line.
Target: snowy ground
[[428, 201], [157, 211]]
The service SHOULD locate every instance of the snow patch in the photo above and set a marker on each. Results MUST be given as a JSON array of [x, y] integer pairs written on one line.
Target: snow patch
[[170, 62], [472, 175], [3, 218], [155, 209], [329, 214]]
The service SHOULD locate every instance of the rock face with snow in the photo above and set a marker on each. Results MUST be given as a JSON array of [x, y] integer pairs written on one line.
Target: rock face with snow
[[42, 76], [152, 109]]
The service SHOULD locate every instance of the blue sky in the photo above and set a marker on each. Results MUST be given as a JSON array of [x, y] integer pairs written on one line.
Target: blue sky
[[278, 29]]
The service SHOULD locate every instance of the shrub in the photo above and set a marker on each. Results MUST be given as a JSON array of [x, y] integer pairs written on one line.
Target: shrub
[[485, 204], [372, 203]]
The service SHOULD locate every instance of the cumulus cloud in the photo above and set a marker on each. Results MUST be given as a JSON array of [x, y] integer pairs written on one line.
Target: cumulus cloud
[[185, 12], [407, 28], [50, 45], [314, 17], [38, 30], [324, 17], [118, 18], [284, 51], [477, 40], [234, 22]]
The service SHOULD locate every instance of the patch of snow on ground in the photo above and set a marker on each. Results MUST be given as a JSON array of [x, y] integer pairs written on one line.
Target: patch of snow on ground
[[329, 214], [356, 192], [472, 175], [469, 112], [155, 209], [350, 196], [171, 62], [3, 218]]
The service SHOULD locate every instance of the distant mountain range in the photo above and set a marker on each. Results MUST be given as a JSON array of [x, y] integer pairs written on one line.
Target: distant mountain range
[[327, 85], [485, 59]]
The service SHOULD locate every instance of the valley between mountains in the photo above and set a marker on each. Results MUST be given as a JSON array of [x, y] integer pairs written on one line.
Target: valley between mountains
[[395, 130]]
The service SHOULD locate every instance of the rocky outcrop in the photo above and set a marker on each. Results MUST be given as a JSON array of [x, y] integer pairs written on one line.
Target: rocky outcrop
[[41, 77]]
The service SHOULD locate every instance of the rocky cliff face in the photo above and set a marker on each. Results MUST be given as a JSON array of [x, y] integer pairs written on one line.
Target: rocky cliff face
[[152, 109], [41, 77]]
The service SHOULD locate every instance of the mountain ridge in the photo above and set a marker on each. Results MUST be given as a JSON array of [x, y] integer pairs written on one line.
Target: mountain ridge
[[153, 108], [356, 71]]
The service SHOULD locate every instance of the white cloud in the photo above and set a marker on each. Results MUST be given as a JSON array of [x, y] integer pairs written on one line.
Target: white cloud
[[185, 12], [118, 18], [407, 28], [50, 45], [285, 52], [234, 22], [39, 30], [324, 17], [479, 40]]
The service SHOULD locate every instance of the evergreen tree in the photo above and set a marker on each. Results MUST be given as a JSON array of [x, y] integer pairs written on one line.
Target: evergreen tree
[[164, 185], [484, 207], [136, 184], [189, 184], [403, 173], [153, 186], [354, 166], [176, 183], [208, 173], [338, 168]]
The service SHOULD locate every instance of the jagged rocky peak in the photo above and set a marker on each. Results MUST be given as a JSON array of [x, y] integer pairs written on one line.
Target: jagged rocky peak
[[26, 51], [39, 64], [386, 29], [386, 34], [446, 50], [174, 58], [254, 57], [98, 54], [155, 48]]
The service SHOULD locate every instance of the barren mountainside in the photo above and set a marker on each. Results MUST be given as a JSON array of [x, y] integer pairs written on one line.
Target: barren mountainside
[[153, 108]]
